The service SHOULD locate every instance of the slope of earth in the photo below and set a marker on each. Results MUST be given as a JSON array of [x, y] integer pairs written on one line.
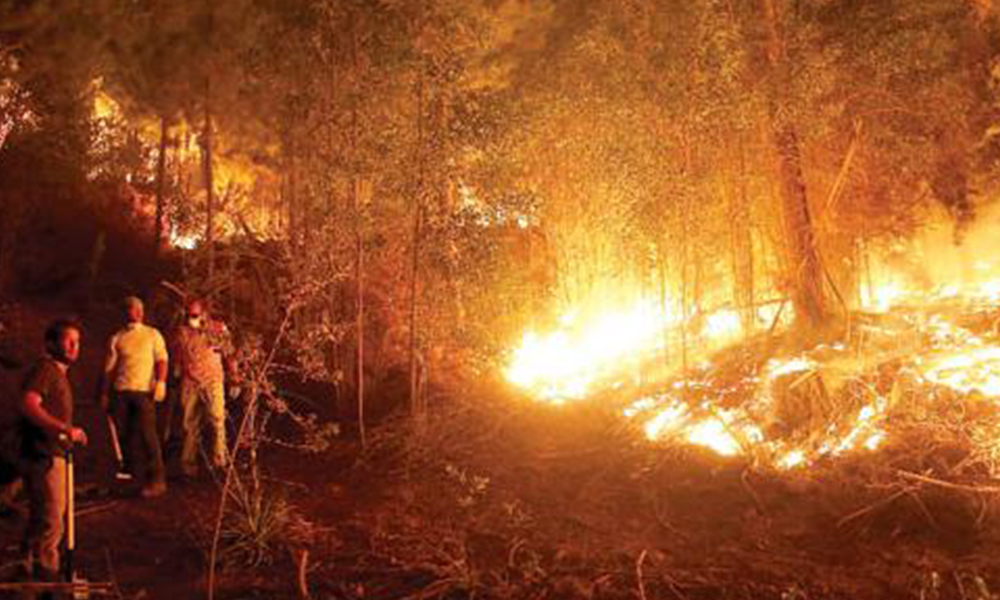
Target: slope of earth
[[494, 496], [556, 503]]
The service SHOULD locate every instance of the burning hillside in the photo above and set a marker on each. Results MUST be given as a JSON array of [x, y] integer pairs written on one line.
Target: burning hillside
[[914, 355]]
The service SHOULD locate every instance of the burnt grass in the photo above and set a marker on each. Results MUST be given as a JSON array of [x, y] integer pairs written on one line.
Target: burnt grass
[[495, 496]]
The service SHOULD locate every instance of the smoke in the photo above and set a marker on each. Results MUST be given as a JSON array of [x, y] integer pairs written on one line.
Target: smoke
[[931, 262]]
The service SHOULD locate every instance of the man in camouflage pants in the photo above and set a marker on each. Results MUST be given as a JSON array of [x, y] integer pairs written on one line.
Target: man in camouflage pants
[[202, 346]]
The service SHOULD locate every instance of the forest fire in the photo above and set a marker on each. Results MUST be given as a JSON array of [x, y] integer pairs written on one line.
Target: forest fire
[[736, 259], [940, 339], [565, 365]]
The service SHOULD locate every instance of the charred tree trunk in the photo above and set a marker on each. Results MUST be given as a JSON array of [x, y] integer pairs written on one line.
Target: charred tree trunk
[[805, 270]]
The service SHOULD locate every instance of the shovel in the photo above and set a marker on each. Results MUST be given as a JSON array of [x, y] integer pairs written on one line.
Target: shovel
[[77, 586], [120, 472], [80, 592]]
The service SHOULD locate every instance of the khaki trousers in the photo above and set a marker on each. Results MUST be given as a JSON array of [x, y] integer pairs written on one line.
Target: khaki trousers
[[203, 401], [46, 491]]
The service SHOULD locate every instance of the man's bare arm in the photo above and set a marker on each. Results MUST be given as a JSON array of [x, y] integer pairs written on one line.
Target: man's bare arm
[[32, 409]]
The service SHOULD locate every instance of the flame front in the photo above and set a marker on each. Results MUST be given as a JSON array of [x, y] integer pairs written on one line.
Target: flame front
[[605, 353], [566, 364]]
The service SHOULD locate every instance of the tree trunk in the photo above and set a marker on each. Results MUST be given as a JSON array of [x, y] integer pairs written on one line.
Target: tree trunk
[[294, 221], [359, 244], [742, 245], [209, 186], [805, 271], [161, 174], [665, 325], [415, 405]]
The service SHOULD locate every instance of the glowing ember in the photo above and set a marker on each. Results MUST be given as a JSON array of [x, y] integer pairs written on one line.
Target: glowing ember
[[874, 440], [666, 420], [187, 242], [977, 369], [793, 459], [713, 434], [884, 297], [723, 324]]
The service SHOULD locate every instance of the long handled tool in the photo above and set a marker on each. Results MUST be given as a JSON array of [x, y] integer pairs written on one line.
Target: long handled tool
[[70, 517], [79, 593], [79, 587], [120, 472]]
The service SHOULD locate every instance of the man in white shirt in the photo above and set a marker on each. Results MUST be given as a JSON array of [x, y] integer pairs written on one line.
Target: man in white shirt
[[135, 377]]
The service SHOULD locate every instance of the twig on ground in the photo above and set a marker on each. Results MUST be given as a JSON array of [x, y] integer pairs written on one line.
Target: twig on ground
[[638, 575], [302, 570], [979, 489], [871, 507], [111, 574], [745, 480], [923, 507], [959, 585], [13, 565], [96, 508]]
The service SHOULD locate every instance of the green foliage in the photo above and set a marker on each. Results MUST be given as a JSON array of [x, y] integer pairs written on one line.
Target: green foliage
[[255, 528]]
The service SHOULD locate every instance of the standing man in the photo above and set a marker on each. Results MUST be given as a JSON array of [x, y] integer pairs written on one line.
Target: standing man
[[202, 343], [135, 376], [46, 421]]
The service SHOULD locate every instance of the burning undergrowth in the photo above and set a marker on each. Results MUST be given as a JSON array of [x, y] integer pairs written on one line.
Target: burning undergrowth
[[863, 469], [936, 367]]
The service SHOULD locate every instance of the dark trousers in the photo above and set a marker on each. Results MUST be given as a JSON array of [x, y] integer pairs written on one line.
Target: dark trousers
[[138, 416]]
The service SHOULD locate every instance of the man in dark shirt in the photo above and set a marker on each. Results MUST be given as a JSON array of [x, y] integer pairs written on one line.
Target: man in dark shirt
[[46, 411]]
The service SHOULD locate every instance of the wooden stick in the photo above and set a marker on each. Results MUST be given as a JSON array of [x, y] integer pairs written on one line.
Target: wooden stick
[[986, 489], [858, 513], [777, 317], [41, 586], [638, 575], [302, 571]]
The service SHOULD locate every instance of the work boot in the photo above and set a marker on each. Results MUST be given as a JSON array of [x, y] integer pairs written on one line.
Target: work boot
[[154, 489], [43, 575]]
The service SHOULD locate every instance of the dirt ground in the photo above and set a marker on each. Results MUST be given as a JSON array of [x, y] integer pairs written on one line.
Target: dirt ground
[[496, 497]]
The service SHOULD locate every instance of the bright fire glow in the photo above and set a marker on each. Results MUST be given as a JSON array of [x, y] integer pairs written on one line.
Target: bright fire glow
[[665, 421], [976, 369], [565, 364], [941, 335], [723, 324], [187, 242], [793, 459], [713, 434]]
